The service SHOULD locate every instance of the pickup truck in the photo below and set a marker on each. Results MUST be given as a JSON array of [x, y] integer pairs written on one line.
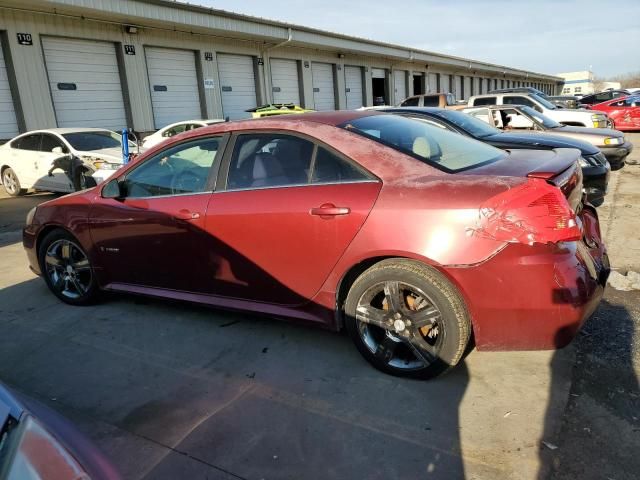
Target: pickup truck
[[575, 118], [441, 100]]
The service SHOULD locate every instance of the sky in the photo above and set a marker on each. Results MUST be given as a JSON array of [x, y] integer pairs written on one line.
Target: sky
[[544, 36]]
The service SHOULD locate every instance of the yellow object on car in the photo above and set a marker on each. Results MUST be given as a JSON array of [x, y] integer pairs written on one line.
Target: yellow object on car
[[272, 109]]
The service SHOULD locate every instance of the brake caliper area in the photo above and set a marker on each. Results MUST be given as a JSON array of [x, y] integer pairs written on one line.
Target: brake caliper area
[[533, 212]]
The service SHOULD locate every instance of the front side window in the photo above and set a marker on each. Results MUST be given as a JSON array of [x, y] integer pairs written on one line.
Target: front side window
[[179, 170], [269, 160], [49, 142], [437, 147], [93, 140], [411, 102]]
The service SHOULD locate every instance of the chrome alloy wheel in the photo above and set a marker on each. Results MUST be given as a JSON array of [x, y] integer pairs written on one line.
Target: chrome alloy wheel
[[10, 181], [400, 325], [68, 269]]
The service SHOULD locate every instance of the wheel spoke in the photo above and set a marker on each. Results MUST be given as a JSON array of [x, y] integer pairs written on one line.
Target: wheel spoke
[[58, 283], [424, 317], [418, 349], [78, 286], [372, 315], [81, 265], [386, 349], [53, 261], [392, 295]]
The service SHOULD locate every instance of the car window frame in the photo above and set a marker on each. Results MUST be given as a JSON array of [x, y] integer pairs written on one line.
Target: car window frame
[[22, 137], [212, 177], [223, 172]]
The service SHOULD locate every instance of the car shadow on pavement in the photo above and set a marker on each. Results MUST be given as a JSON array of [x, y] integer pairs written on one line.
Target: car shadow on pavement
[[174, 390], [599, 433]]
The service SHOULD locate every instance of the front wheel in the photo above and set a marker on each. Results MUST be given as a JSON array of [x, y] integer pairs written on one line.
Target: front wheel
[[67, 269], [407, 319], [11, 183]]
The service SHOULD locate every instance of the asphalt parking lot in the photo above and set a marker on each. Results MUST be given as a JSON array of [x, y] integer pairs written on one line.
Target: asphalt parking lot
[[172, 390]]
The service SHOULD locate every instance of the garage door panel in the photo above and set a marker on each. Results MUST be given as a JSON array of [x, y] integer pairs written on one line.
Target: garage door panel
[[238, 85], [353, 85], [92, 67], [173, 81], [400, 85], [285, 81], [8, 120], [323, 86]]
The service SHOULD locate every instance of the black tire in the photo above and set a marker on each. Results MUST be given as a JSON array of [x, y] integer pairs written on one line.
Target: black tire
[[598, 202], [68, 274], [451, 321], [11, 183]]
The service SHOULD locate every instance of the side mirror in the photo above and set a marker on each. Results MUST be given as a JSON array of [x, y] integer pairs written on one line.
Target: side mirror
[[114, 189], [57, 150]]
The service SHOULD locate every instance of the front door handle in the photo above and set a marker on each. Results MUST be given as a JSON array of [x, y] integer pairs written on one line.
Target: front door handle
[[185, 214], [329, 209]]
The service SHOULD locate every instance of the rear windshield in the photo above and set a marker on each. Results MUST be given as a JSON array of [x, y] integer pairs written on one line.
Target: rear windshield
[[86, 141], [445, 150]]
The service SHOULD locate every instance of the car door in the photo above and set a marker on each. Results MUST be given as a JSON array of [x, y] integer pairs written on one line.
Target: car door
[[48, 177], [22, 157], [153, 235], [287, 210]]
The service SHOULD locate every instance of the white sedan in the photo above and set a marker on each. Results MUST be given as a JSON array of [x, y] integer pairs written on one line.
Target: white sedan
[[174, 129], [27, 161]]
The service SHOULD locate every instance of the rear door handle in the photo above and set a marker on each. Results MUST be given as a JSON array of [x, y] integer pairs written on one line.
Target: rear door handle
[[185, 214], [329, 209]]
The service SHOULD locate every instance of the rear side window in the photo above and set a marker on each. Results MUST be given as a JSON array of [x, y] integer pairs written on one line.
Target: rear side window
[[431, 101], [330, 168], [28, 142], [269, 160], [484, 101]]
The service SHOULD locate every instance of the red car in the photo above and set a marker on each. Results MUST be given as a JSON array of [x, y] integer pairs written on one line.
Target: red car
[[414, 239], [624, 112]]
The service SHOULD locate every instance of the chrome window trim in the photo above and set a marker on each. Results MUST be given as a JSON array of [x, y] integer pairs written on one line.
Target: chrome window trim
[[298, 185]]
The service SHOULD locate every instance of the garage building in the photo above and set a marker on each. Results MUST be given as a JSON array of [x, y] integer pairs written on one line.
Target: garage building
[[144, 64]]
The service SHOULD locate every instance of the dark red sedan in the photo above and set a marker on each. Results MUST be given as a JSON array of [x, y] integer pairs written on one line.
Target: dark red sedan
[[412, 238], [624, 112]]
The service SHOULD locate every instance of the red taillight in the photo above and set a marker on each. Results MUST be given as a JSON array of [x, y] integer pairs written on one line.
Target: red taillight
[[534, 212]]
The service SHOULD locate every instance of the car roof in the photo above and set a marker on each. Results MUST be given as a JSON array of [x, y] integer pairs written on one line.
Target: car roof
[[62, 131]]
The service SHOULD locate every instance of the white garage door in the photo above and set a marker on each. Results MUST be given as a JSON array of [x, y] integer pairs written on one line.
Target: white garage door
[[8, 122], [467, 87], [284, 81], [433, 83], [377, 73], [324, 96], [85, 83], [353, 87], [238, 85], [400, 85], [173, 81]]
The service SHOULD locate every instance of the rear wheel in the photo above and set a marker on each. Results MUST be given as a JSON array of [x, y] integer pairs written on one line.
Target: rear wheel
[[407, 319], [67, 269], [11, 183]]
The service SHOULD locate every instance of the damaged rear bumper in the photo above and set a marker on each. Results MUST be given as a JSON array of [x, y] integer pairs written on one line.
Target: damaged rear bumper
[[536, 297]]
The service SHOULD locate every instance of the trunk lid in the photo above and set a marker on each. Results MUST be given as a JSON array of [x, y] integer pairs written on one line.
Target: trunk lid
[[557, 167]]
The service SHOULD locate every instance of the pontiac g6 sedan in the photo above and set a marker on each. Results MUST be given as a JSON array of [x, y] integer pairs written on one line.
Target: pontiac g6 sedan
[[416, 240]]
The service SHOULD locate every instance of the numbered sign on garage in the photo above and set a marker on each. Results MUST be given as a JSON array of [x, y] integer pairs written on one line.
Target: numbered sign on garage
[[85, 83], [8, 122], [353, 86], [173, 81], [237, 85], [399, 85], [285, 83], [324, 94]]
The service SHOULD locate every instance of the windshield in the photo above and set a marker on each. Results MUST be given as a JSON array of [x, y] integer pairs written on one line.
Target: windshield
[[432, 145], [540, 118], [469, 124], [545, 102], [86, 141]]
